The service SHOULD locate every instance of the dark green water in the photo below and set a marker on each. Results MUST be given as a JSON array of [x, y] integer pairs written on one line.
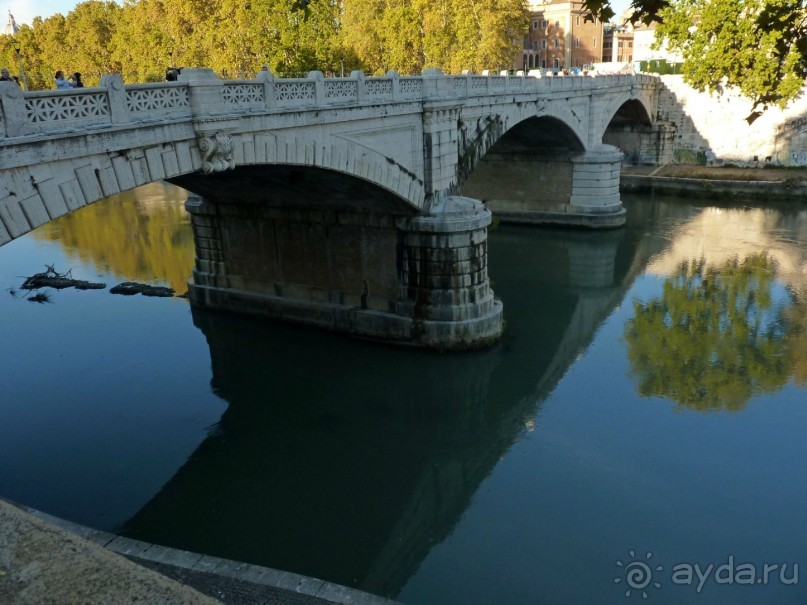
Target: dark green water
[[648, 398]]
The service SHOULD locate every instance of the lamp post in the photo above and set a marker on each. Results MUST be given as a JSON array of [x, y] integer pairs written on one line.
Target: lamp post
[[16, 45]]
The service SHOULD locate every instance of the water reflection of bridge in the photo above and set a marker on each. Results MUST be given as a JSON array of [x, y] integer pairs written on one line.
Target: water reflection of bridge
[[352, 466]]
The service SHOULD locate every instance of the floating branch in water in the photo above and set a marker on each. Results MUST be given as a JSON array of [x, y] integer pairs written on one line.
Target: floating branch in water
[[58, 281]]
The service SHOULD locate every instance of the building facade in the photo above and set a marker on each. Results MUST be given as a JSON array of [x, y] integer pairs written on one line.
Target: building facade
[[617, 43], [560, 36]]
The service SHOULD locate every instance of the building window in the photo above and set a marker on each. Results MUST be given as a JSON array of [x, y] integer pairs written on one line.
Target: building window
[[557, 43], [557, 23], [607, 44], [535, 45], [543, 63], [543, 44], [577, 42], [577, 21], [543, 23], [595, 42], [534, 25], [556, 63]]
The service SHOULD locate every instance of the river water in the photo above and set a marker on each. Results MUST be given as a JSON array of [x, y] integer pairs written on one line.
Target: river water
[[640, 430]]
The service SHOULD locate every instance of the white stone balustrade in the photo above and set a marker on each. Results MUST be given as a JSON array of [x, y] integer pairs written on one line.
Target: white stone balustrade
[[55, 111]]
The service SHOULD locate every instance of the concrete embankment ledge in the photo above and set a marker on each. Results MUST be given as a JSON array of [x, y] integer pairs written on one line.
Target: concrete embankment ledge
[[713, 188], [44, 559]]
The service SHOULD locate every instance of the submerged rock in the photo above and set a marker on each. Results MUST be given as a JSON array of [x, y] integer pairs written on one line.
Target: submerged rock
[[129, 288]]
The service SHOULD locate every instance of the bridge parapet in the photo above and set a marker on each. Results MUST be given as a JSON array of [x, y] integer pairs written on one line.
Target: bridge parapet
[[112, 103]]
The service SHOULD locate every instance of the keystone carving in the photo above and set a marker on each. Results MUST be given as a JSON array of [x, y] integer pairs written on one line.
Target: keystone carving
[[217, 152]]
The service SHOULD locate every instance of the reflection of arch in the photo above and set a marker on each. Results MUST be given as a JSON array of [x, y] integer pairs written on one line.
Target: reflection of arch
[[342, 483]]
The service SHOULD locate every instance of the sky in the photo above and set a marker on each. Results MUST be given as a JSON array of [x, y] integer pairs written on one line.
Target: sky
[[24, 11]]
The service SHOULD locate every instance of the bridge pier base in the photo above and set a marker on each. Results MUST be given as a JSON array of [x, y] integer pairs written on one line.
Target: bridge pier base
[[595, 200], [418, 280]]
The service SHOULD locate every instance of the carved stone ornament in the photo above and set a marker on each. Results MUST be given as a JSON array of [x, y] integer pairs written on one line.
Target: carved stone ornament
[[217, 152]]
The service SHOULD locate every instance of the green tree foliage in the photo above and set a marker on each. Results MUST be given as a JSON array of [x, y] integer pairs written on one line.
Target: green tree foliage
[[716, 336], [452, 34], [755, 46], [141, 43], [758, 47], [140, 38], [89, 28]]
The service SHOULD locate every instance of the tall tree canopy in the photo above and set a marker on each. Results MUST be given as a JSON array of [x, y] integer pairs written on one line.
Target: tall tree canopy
[[409, 35], [758, 47], [140, 38]]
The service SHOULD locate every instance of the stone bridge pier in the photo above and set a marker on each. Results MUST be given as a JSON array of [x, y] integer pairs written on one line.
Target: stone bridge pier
[[407, 279]]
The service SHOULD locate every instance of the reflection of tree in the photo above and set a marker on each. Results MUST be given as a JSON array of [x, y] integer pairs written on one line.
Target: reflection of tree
[[716, 336], [797, 316], [140, 235]]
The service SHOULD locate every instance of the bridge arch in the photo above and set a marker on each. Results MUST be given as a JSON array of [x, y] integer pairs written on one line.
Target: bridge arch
[[629, 125], [541, 170], [36, 194]]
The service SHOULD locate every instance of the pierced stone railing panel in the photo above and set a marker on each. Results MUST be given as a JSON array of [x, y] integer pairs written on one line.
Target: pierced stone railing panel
[[461, 86], [341, 89], [295, 91], [479, 84], [244, 95], [378, 88], [68, 105], [162, 98], [411, 87], [498, 83]]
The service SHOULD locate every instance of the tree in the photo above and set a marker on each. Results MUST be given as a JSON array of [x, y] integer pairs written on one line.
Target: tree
[[455, 35], [90, 27], [758, 47], [142, 44]]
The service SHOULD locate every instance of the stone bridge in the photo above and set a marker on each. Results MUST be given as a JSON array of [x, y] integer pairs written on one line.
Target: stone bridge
[[355, 204]]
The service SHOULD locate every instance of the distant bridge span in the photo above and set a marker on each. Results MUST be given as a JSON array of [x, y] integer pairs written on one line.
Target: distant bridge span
[[373, 175]]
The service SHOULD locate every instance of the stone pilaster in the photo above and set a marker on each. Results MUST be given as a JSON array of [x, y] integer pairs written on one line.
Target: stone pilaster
[[440, 148]]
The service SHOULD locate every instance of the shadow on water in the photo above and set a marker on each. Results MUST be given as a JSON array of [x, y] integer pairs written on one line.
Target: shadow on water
[[347, 460]]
